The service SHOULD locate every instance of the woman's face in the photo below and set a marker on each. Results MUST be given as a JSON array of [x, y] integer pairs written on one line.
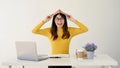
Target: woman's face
[[59, 21]]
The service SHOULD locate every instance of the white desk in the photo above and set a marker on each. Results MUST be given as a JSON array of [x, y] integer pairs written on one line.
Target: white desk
[[99, 60]]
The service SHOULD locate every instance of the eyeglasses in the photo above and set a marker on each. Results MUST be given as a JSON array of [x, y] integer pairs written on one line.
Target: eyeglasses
[[59, 19]]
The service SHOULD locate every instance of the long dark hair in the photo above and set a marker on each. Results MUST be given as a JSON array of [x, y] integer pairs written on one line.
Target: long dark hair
[[54, 34]]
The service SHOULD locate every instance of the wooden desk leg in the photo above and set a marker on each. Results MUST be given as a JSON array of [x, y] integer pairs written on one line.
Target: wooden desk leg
[[10, 66], [23, 66]]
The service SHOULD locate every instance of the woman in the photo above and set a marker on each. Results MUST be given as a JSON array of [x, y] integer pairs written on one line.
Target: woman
[[60, 34]]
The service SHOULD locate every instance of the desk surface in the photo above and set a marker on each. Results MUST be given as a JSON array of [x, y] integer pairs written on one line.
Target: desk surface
[[99, 60]]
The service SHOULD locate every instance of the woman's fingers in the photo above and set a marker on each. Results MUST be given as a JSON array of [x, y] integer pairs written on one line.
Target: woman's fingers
[[58, 11]]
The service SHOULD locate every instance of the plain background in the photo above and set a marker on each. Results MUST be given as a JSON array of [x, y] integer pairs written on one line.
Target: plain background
[[19, 17]]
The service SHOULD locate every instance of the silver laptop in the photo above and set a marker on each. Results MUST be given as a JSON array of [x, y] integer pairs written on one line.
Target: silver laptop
[[26, 50]]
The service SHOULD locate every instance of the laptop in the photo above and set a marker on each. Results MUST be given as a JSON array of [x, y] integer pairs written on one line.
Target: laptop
[[26, 50]]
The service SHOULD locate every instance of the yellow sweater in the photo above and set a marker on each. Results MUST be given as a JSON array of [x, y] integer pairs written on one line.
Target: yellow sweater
[[60, 46]]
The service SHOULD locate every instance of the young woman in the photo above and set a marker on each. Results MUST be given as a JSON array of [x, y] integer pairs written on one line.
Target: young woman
[[59, 33]]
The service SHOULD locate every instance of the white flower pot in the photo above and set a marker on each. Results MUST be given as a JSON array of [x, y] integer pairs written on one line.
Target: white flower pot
[[90, 55]]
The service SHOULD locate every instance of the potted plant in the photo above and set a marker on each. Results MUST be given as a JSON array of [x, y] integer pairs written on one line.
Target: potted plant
[[90, 48]]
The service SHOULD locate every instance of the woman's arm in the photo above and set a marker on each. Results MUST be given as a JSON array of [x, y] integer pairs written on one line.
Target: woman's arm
[[37, 29], [75, 31], [79, 24], [81, 29]]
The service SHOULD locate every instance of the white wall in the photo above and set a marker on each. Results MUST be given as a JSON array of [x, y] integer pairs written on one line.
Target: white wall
[[18, 17]]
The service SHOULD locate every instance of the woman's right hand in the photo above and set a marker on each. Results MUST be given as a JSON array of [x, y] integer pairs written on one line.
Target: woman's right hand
[[47, 18]]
